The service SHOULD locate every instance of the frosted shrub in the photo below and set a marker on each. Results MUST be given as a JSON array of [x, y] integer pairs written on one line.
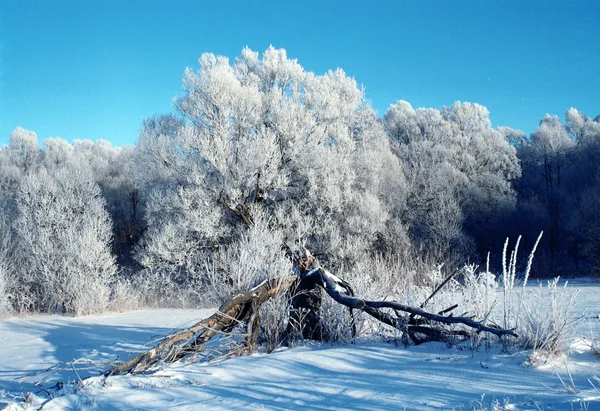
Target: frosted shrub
[[548, 323], [63, 242], [188, 280], [336, 323], [419, 291], [378, 277], [373, 278], [183, 224], [124, 296], [543, 317], [479, 292], [165, 288], [274, 318]]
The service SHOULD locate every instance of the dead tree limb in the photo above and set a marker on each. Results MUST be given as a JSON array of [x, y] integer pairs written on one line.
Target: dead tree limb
[[243, 310], [236, 310], [438, 288], [337, 289]]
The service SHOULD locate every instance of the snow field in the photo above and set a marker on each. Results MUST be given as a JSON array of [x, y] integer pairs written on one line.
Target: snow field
[[368, 376]]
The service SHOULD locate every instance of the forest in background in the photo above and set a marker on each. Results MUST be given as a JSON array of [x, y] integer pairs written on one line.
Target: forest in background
[[262, 158]]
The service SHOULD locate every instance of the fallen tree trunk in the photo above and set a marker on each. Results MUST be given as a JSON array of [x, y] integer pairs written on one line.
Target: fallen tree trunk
[[235, 311], [336, 288], [243, 310]]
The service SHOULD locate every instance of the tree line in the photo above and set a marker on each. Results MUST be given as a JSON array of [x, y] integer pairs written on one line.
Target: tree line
[[261, 158]]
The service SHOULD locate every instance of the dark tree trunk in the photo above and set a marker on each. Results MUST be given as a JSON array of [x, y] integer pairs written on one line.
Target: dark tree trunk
[[306, 298]]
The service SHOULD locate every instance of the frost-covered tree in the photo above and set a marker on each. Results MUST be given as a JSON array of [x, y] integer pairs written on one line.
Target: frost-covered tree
[[16, 160], [545, 160], [484, 156], [262, 130], [558, 191], [110, 168], [459, 170], [24, 149], [55, 248], [583, 184], [547, 151], [123, 203], [63, 241], [57, 152], [6, 269], [20, 157]]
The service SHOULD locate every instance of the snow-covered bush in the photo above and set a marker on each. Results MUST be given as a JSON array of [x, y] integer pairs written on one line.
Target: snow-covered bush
[[55, 231], [479, 292], [276, 329], [184, 225], [548, 321], [164, 288], [217, 272], [63, 242], [336, 322], [125, 296], [544, 317]]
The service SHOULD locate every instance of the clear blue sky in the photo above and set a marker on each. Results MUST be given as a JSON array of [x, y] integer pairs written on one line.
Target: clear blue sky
[[95, 69]]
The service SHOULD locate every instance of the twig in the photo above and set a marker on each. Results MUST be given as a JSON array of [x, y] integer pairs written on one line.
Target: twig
[[439, 287], [76, 373]]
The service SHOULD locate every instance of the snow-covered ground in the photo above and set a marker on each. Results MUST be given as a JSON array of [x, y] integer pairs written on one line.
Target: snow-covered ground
[[373, 376]]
